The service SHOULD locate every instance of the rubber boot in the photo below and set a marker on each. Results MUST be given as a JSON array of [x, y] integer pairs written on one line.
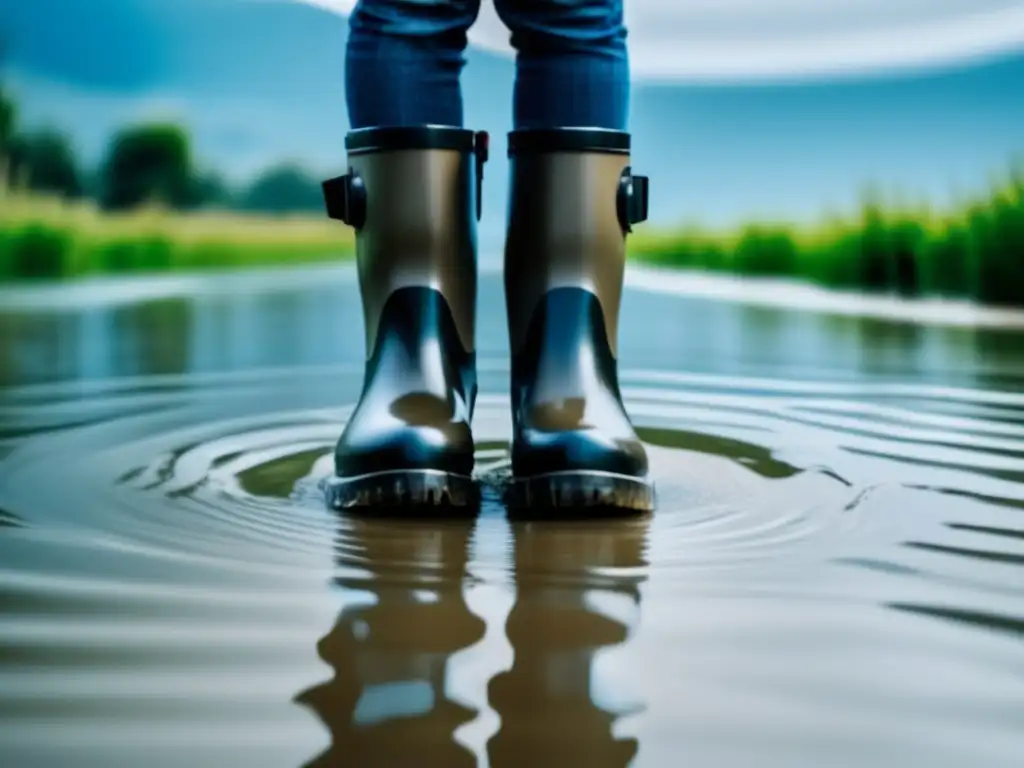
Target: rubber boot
[[413, 197], [573, 200]]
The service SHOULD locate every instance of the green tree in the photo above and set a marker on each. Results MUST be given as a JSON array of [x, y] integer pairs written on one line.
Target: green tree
[[8, 119], [8, 113], [210, 190], [45, 162], [286, 188], [149, 164]]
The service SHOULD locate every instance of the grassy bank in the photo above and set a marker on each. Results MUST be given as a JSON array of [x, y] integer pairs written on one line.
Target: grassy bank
[[976, 252], [47, 238]]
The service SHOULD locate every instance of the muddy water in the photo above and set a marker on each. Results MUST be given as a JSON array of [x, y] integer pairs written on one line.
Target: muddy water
[[835, 576]]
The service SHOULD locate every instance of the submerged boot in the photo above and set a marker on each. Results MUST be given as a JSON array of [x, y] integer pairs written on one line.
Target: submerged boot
[[573, 199], [413, 197]]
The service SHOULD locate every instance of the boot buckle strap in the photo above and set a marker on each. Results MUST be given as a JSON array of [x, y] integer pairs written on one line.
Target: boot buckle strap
[[345, 198], [481, 148], [633, 199]]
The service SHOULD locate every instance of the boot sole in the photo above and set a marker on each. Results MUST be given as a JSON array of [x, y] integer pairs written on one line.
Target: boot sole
[[587, 492], [402, 489]]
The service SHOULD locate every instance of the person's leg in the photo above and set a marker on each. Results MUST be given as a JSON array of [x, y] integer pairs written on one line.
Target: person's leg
[[403, 61], [572, 66], [411, 194], [573, 199]]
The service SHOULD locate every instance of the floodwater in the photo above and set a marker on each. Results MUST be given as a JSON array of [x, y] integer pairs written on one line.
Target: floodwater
[[834, 577]]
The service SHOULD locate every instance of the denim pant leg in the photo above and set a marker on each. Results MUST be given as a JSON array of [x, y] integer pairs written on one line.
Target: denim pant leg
[[403, 61], [572, 68]]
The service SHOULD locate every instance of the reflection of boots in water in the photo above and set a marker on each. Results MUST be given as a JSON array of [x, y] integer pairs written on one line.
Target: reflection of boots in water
[[546, 701], [386, 704], [573, 198], [412, 196]]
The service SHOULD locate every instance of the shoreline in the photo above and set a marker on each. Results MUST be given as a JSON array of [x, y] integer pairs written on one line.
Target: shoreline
[[799, 296], [783, 294]]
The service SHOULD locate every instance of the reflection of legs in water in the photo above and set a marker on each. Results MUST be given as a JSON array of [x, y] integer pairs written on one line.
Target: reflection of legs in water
[[546, 701], [386, 703]]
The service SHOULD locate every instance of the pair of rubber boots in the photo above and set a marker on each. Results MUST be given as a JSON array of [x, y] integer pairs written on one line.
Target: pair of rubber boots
[[413, 197]]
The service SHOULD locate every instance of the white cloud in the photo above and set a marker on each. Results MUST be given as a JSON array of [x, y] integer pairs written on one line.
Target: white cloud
[[779, 39]]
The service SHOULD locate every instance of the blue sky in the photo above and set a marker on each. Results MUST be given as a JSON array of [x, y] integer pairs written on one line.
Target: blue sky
[[737, 111]]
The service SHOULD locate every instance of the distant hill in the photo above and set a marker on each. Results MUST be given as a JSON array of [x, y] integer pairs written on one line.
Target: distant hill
[[209, 46], [261, 80], [257, 80]]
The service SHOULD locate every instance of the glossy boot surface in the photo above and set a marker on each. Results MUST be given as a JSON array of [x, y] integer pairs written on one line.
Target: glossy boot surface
[[573, 199], [412, 196]]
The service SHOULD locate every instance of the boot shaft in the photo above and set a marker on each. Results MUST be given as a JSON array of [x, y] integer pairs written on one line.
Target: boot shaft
[[572, 199], [413, 197]]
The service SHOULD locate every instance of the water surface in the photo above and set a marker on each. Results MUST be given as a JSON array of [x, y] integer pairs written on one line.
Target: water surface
[[834, 577]]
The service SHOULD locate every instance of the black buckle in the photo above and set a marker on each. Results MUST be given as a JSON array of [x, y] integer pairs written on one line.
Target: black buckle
[[481, 148], [345, 198], [633, 199]]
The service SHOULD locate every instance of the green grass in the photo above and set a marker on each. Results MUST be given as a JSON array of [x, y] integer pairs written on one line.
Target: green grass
[[47, 238], [974, 253]]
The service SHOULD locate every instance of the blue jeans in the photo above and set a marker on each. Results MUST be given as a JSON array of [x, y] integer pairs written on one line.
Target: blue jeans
[[404, 58]]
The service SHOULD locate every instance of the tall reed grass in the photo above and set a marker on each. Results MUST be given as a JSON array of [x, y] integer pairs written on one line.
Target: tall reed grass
[[49, 238], [975, 253]]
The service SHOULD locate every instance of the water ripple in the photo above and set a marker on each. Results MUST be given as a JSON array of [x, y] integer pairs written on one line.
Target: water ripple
[[170, 575]]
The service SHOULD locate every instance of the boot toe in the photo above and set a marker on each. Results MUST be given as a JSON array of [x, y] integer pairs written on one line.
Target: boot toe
[[447, 449], [584, 451]]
